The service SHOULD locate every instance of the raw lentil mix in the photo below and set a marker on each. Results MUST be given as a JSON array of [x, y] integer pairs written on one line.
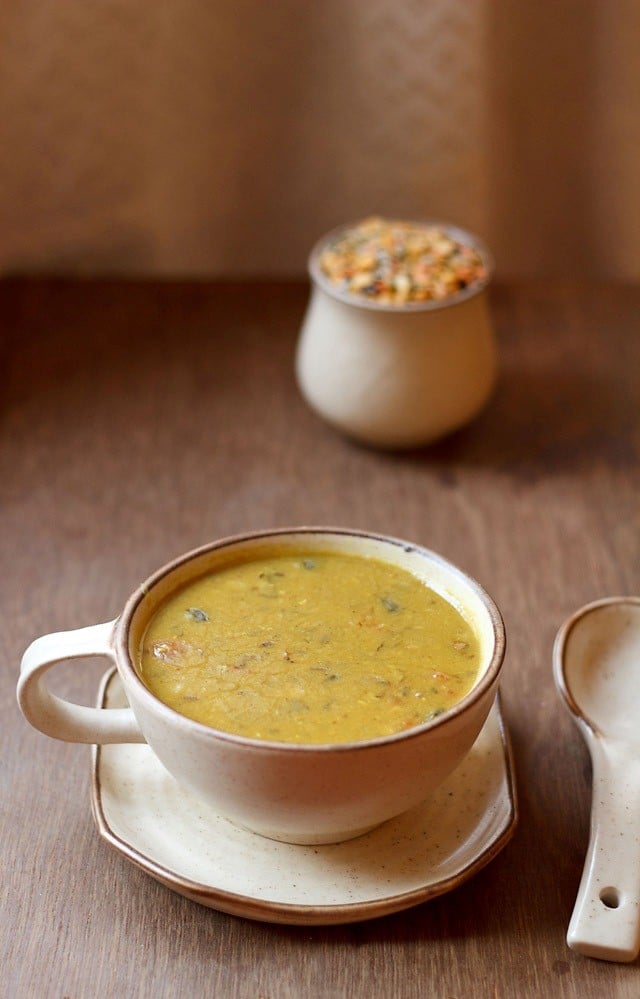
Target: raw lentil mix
[[393, 262]]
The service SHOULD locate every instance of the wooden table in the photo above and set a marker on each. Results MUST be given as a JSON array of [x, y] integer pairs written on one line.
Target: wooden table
[[142, 419]]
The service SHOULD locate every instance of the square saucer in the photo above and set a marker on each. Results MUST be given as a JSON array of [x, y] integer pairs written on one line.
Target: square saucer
[[143, 812]]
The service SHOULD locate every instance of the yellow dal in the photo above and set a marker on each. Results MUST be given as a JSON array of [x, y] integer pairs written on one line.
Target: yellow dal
[[313, 647]]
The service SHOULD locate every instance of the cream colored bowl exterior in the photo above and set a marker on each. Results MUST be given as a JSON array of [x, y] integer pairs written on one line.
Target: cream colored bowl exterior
[[303, 794], [394, 378]]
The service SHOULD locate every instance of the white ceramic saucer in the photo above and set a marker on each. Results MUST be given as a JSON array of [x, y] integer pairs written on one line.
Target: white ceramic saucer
[[143, 812]]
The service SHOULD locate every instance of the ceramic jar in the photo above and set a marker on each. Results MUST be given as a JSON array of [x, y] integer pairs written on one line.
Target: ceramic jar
[[396, 376]]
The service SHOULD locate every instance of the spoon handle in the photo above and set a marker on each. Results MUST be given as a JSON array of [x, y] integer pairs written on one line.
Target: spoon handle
[[606, 917]]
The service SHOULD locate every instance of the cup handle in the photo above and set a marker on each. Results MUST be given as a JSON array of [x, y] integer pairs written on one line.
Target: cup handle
[[63, 719]]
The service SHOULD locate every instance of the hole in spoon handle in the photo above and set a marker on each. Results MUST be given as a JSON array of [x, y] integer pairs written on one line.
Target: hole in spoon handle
[[606, 918], [610, 897]]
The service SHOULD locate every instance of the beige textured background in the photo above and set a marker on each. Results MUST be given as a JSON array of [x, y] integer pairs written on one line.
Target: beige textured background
[[221, 137]]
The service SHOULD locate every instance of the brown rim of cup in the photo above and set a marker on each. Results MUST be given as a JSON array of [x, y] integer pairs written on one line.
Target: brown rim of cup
[[121, 643]]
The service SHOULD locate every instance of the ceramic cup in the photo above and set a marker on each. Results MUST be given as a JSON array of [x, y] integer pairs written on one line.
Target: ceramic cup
[[295, 793], [396, 376]]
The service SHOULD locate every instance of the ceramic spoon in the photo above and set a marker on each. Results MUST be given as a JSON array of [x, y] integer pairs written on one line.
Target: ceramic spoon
[[596, 661]]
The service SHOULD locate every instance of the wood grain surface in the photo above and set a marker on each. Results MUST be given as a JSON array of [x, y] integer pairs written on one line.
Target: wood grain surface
[[139, 420]]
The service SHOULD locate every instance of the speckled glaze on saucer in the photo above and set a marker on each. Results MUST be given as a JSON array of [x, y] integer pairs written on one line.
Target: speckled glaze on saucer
[[145, 815]]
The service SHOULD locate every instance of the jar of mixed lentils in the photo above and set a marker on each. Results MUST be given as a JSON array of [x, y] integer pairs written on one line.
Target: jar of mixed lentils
[[397, 347]]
